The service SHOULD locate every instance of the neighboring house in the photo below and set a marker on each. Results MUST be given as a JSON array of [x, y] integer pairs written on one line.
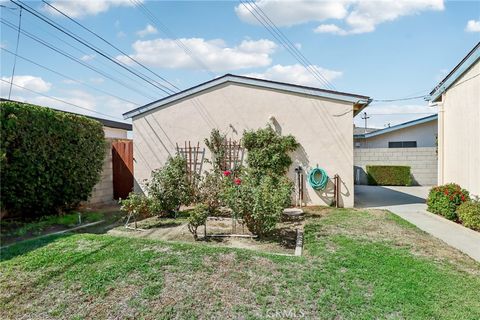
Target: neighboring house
[[458, 100], [418, 133], [412, 144], [321, 121], [116, 174]]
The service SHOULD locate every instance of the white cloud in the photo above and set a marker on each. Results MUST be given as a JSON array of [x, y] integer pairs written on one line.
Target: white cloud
[[29, 82], [215, 54], [329, 28], [296, 74], [149, 29], [357, 16], [87, 57], [82, 8], [473, 26]]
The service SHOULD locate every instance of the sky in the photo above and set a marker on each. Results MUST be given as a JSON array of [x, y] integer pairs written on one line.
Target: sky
[[387, 50]]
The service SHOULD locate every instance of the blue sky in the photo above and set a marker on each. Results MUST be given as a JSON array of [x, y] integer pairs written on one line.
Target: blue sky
[[383, 49]]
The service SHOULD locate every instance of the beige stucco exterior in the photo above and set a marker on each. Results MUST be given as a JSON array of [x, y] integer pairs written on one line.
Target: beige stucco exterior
[[459, 132], [424, 134], [323, 128]]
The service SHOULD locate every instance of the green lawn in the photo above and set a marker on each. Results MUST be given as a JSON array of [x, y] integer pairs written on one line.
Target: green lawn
[[357, 265]]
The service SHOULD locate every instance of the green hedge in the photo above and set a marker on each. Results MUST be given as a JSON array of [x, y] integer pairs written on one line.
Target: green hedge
[[50, 160], [469, 214], [389, 175]]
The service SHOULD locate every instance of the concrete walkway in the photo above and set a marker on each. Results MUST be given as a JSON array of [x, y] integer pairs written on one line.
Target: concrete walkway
[[409, 203]]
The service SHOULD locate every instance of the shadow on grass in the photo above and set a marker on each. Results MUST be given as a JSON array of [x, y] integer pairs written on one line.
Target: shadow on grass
[[26, 246]]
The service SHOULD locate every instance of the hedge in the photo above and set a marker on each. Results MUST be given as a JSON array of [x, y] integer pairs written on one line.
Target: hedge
[[469, 214], [389, 175], [50, 160], [444, 200]]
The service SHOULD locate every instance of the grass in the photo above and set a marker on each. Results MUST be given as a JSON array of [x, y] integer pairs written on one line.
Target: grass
[[15, 229], [357, 265]]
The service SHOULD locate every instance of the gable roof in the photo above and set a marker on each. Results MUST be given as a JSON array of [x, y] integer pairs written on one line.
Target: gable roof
[[397, 127], [362, 130], [361, 101], [104, 122], [469, 60]]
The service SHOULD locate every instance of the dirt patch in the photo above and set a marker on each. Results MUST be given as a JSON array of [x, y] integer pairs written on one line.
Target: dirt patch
[[281, 241]]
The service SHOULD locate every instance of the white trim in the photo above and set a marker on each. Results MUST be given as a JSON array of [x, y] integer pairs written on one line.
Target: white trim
[[252, 82]]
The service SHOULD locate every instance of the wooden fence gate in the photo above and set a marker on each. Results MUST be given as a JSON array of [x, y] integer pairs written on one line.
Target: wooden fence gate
[[122, 162]]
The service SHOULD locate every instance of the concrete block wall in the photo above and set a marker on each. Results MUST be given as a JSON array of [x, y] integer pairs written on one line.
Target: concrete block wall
[[422, 162], [102, 193]]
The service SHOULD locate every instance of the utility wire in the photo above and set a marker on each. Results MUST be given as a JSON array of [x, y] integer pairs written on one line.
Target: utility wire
[[63, 101], [272, 28], [153, 19], [147, 79], [66, 54], [69, 78], [401, 99], [16, 51], [110, 44]]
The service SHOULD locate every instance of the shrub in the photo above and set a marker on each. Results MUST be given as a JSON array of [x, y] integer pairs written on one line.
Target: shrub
[[389, 175], [217, 147], [469, 214], [268, 152], [198, 217], [444, 200], [210, 191], [136, 205], [259, 203], [50, 160], [169, 187]]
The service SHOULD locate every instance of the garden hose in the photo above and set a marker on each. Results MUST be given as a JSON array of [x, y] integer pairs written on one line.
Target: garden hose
[[317, 184]]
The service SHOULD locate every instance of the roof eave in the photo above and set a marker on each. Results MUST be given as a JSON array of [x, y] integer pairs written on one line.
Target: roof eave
[[361, 101]]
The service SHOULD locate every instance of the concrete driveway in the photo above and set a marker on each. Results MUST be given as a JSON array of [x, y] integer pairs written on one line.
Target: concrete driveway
[[409, 203]]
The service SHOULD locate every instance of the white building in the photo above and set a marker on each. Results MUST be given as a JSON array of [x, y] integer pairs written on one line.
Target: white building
[[458, 100], [321, 121]]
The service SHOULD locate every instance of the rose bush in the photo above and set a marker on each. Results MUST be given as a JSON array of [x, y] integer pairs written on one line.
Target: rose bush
[[445, 199]]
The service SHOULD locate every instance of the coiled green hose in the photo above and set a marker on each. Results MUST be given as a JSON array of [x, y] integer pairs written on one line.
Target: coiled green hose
[[317, 184]]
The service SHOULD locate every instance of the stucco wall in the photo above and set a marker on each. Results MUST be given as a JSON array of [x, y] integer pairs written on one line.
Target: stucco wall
[[323, 128], [422, 162], [425, 134], [459, 132]]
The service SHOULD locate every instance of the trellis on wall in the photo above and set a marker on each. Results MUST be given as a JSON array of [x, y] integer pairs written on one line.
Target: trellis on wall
[[194, 156], [233, 157]]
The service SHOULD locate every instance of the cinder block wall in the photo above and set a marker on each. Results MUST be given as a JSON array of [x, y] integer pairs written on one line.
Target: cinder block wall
[[102, 193], [422, 161]]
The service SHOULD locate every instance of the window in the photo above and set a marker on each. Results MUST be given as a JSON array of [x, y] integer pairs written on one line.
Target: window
[[402, 144]]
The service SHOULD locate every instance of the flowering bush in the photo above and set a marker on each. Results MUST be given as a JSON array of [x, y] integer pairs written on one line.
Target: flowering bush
[[259, 203], [136, 205], [169, 187], [469, 214], [210, 191], [444, 200]]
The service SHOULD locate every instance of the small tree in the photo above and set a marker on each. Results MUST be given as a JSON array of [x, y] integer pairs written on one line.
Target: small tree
[[137, 206], [169, 187], [210, 191], [198, 217]]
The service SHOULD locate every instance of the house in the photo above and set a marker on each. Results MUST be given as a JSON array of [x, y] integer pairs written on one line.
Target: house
[[457, 97], [418, 133], [412, 144], [321, 120]]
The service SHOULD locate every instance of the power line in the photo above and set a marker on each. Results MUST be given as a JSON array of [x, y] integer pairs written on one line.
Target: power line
[[69, 56], [63, 101], [16, 51], [147, 79], [401, 99], [69, 78], [153, 19], [110, 44], [271, 27]]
